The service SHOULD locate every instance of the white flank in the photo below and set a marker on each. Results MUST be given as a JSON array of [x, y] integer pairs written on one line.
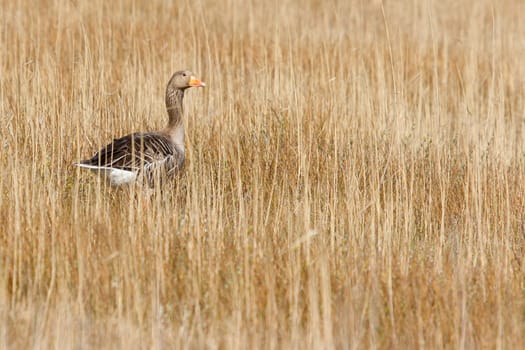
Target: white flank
[[116, 177]]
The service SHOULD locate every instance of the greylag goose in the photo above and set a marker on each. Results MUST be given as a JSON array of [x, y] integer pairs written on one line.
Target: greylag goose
[[144, 156]]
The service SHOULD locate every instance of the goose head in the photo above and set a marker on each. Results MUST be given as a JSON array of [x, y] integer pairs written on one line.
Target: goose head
[[184, 79]]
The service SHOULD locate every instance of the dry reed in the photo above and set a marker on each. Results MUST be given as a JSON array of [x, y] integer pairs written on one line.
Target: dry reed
[[355, 178]]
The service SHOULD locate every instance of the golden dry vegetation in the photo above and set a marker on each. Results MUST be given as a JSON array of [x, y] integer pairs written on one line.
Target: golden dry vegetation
[[355, 175]]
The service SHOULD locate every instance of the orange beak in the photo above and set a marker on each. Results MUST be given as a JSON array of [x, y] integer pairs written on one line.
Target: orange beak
[[194, 82]]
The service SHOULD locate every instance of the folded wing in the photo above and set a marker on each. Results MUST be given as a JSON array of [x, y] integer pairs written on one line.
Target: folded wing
[[144, 154]]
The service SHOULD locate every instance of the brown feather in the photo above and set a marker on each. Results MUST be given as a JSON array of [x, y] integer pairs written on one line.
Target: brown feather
[[146, 153]]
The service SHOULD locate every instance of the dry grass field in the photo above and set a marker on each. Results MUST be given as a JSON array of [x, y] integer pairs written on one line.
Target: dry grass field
[[355, 175]]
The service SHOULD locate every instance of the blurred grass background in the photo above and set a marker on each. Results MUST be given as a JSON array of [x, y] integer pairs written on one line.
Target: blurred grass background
[[355, 175]]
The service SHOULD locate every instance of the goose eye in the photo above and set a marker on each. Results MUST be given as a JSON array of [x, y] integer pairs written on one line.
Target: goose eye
[[184, 75]]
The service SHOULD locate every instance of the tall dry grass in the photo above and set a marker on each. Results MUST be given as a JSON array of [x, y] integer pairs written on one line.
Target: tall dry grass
[[355, 177]]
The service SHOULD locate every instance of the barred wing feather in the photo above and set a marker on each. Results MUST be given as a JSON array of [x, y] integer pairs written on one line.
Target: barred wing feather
[[146, 154]]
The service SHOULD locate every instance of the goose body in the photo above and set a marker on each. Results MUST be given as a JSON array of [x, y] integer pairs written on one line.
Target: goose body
[[148, 156]]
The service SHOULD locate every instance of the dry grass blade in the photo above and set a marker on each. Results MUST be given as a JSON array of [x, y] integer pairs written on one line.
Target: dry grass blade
[[355, 175]]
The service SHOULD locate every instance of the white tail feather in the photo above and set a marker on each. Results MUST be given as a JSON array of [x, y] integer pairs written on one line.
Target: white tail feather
[[115, 176]]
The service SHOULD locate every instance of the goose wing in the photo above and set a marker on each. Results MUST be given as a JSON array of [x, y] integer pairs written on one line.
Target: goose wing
[[142, 152]]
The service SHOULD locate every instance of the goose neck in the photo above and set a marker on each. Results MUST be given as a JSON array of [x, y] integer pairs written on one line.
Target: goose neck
[[174, 107]]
